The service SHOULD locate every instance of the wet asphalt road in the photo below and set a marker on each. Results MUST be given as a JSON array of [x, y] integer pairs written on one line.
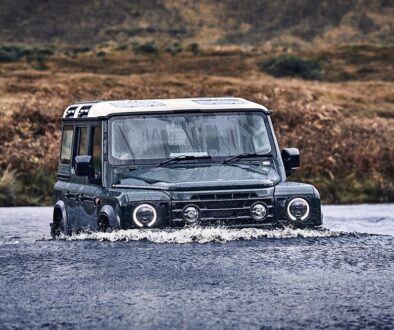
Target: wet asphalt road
[[224, 279]]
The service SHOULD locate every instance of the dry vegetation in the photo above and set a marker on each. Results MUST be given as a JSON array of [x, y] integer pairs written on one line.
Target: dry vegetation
[[344, 128], [267, 23]]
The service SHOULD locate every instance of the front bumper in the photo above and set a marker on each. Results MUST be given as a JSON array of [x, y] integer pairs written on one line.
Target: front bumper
[[228, 208]]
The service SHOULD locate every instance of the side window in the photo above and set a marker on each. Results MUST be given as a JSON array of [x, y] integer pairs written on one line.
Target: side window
[[67, 142], [81, 148], [96, 149]]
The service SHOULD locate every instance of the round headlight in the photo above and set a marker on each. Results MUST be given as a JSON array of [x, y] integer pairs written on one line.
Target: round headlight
[[144, 215], [191, 214], [298, 209], [258, 211]]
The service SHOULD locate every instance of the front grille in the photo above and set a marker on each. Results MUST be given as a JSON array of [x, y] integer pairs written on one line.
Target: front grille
[[233, 208]]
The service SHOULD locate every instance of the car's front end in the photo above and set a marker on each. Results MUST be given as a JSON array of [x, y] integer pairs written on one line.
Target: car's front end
[[174, 163], [203, 168]]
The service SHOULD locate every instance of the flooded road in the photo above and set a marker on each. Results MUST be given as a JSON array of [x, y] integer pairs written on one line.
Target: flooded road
[[214, 278]]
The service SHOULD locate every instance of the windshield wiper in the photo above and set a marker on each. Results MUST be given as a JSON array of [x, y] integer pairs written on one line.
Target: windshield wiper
[[182, 157], [127, 142], [245, 155]]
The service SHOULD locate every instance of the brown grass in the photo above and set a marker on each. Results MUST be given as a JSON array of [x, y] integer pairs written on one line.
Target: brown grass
[[343, 129]]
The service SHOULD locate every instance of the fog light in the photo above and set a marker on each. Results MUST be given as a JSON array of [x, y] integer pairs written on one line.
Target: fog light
[[298, 209], [258, 211], [144, 215], [191, 214]]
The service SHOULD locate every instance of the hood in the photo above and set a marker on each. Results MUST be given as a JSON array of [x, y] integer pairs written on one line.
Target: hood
[[215, 176]]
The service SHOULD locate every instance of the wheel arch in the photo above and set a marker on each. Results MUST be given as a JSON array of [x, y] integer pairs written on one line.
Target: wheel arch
[[109, 212]]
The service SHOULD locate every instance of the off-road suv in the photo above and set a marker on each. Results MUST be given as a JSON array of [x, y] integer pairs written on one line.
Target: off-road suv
[[175, 163]]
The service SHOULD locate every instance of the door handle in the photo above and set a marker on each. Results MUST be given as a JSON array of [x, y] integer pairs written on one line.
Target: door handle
[[69, 195]]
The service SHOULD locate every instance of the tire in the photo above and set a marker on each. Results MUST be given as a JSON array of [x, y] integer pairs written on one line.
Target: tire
[[57, 224], [103, 223]]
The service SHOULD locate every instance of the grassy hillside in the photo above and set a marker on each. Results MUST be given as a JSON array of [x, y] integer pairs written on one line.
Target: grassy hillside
[[282, 23], [344, 128]]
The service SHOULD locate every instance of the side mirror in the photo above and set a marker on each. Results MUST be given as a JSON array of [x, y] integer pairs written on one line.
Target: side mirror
[[84, 166], [291, 159]]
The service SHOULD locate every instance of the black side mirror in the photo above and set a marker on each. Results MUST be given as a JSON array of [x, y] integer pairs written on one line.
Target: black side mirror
[[84, 166], [291, 159]]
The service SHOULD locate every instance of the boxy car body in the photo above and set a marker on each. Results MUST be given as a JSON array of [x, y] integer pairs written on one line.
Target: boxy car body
[[174, 163]]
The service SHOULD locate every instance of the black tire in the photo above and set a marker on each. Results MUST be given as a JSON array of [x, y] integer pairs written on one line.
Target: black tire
[[103, 223], [57, 224]]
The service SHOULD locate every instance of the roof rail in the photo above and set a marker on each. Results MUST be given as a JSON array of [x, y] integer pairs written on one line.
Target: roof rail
[[88, 101]]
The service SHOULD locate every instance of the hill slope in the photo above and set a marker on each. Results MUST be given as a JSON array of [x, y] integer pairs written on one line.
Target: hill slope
[[247, 22]]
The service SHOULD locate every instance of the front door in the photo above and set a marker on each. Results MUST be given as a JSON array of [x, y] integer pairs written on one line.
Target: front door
[[74, 192]]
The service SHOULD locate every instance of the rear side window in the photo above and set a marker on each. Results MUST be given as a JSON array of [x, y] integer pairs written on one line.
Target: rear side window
[[81, 141], [67, 141]]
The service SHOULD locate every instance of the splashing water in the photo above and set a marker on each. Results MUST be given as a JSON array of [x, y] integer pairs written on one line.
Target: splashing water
[[340, 221], [19, 225], [202, 235]]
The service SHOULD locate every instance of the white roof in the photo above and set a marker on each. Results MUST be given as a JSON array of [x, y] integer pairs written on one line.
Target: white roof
[[93, 109]]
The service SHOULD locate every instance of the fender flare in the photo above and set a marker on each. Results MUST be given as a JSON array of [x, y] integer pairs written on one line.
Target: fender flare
[[62, 208], [110, 213]]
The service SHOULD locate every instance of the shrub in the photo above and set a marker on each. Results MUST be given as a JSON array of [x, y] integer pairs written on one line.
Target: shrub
[[292, 66], [38, 57], [11, 53], [100, 53], [147, 48], [122, 47], [80, 50], [35, 187], [7, 188], [174, 49], [43, 52], [194, 48]]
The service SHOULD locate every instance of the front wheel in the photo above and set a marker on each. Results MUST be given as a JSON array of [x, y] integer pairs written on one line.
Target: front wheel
[[103, 224]]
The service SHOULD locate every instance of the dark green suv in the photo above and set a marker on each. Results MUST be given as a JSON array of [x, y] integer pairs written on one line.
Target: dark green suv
[[175, 163]]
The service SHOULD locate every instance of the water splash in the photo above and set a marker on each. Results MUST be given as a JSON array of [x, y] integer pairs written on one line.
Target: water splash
[[9, 242], [203, 235]]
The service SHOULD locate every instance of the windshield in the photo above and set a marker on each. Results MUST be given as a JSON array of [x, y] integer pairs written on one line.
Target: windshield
[[162, 136]]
